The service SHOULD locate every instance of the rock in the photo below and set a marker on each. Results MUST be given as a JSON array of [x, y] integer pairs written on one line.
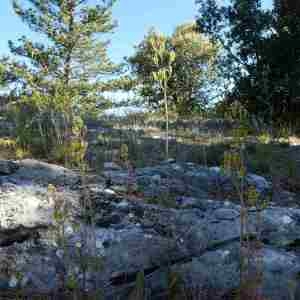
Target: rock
[[106, 221], [27, 210], [187, 201], [169, 161], [198, 238], [286, 220], [116, 177], [109, 192], [13, 282], [220, 269], [24, 206], [4, 284], [44, 173], [156, 178], [226, 214], [259, 182], [217, 269], [8, 167], [111, 166], [119, 189]]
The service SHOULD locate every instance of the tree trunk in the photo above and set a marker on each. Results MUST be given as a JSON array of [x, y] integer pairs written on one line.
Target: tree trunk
[[67, 78], [167, 120]]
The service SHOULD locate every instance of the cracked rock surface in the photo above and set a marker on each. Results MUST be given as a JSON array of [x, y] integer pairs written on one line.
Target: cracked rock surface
[[198, 237]]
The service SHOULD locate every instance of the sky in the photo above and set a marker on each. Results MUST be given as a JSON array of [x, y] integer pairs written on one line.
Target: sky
[[134, 17]]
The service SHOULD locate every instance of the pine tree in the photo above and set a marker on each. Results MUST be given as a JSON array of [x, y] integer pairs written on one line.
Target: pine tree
[[59, 77]]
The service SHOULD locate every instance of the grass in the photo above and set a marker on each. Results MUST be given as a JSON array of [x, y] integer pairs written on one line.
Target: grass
[[7, 148], [272, 158]]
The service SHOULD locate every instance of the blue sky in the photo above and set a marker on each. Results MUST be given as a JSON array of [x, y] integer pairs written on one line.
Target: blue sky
[[135, 18]]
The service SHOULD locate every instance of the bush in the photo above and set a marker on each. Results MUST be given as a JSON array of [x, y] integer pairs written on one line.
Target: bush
[[47, 129], [71, 154]]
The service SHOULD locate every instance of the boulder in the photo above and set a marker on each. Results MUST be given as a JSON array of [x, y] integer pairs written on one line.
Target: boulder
[[8, 167], [45, 173], [24, 206], [219, 269], [226, 214], [260, 183], [198, 238]]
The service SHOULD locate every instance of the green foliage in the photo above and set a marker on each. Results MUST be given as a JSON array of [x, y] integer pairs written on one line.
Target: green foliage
[[7, 144], [85, 255], [139, 290], [214, 154], [264, 76], [124, 153], [2, 74], [175, 284], [9, 149], [60, 78], [291, 169], [260, 160], [163, 60], [192, 58], [230, 111], [264, 138], [165, 200], [71, 154], [60, 215], [72, 283], [41, 124]]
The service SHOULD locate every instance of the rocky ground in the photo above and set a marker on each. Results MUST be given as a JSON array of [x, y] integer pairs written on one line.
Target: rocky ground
[[177, 219]]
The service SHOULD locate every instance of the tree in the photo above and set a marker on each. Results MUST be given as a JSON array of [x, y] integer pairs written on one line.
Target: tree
[[58, 78], [264, 76], [287, 7], [2, 75], [163, 60], [192, 69]]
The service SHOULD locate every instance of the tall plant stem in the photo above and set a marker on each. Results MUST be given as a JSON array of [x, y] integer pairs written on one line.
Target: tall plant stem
[[167, 119]]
